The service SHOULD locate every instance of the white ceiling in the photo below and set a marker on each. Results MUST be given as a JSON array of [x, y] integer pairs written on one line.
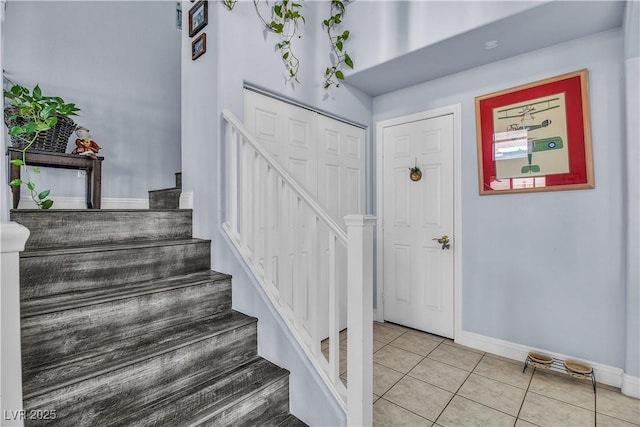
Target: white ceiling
[[545, 25]]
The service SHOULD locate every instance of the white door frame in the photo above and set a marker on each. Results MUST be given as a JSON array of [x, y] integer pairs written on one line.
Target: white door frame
[[456, 241]]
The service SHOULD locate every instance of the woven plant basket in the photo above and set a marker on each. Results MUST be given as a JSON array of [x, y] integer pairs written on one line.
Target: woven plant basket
[[53, 140]]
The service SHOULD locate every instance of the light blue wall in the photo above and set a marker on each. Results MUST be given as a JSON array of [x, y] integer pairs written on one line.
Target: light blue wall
[[121, 71], [632, 80], [545, 269]]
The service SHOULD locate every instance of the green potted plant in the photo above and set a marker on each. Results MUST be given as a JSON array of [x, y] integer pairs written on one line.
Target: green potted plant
[[38, 122]]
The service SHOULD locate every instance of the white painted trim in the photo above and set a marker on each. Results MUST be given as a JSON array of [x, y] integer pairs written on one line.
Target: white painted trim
[[13, 237], [605, 374], [80, 203], [456, 111], [186, 200], [630, 386]]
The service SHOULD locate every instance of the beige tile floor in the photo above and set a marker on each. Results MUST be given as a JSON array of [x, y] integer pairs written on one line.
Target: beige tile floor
[[425, 380]]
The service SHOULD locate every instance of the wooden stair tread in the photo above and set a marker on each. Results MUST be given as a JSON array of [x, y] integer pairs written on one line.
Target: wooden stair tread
[[66, 301], [115, 355], [73, 227], [204, 401], [72, 250], [166, 189]]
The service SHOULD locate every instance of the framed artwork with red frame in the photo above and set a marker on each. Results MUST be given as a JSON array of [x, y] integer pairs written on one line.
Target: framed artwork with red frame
[[536, 137]]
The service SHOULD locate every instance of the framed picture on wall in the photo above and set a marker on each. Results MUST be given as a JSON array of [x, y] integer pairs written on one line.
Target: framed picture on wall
[[199, 46], [198, 16], [535, 137]]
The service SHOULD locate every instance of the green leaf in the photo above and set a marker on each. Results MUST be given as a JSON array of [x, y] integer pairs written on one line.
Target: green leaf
[[46, 112], [285, 56], [44, 194], [31, 186], [30, 127], [41, 126], [36, 169], [348, 61], [339, 75], [16, 90], [16, 130], [339, 45], [277, 9], [17, 162], [345, 34], [37, 93], [51, 121], [16, 182], [46, 204]]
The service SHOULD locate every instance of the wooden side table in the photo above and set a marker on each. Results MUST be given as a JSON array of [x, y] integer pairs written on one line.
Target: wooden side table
[[60, 161]]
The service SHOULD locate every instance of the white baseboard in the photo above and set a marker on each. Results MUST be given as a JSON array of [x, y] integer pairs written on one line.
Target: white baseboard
[[80, 203], [604, 374], [630, 386], [186, 200]]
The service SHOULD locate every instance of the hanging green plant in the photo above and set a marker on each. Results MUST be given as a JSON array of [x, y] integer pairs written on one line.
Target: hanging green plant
[[229, 3], [340, 57], [286, 16], [36, 114]]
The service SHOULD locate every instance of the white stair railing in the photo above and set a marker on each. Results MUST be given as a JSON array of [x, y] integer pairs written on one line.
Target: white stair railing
[[296, 252]]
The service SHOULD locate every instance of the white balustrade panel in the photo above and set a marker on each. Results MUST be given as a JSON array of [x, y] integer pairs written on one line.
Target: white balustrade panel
[[304, 260]]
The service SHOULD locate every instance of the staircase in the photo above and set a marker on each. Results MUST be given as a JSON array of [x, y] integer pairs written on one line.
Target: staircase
[[167, 198], [124, 324]]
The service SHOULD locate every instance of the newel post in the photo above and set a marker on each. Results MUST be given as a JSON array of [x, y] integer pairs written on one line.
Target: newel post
[[13, 236], [360, 319]]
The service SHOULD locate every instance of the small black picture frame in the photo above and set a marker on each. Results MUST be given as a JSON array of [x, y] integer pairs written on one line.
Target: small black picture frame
[[199, 46], [198, 17]]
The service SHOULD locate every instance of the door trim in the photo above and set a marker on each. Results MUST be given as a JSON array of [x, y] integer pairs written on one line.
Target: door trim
[[456, 111]]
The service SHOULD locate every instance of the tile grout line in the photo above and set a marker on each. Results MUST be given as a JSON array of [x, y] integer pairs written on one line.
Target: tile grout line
[[405, 375], [525, 393], [458, 389]]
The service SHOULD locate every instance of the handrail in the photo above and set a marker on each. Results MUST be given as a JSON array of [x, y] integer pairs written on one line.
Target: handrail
[[321, 213]]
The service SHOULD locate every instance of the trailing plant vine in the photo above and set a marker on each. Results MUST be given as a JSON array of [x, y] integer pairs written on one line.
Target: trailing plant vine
[[340, 56], [285, 19]]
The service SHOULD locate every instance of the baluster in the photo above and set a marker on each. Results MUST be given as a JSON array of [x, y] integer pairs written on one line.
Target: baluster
[[334, 314], [285, 239], [313, 294], [232, 134], [256, 209], [297, 282], [270, 220], [360, 319], [244, 195]]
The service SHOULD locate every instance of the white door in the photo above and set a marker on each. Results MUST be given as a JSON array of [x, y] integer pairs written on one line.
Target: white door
[[418, 272]]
